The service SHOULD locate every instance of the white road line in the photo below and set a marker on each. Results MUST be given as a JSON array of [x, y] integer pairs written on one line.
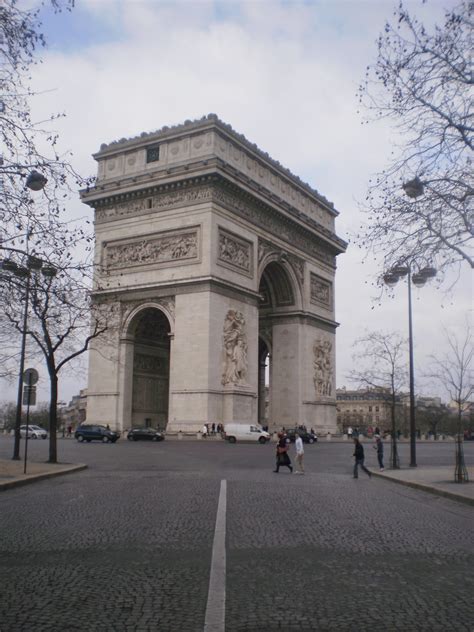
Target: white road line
[[215, 609]]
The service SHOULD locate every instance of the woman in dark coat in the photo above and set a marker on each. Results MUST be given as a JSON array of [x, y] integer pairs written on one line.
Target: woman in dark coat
[[282, 456], [359, 458]]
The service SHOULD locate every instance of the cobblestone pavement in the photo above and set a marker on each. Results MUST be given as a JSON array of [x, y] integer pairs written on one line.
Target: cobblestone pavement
[[126, 545]]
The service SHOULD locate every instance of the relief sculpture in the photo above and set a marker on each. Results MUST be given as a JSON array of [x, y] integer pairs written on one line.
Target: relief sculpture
[[321, 291], [235, 349], [153, 250], [323, 372], [235, 252]]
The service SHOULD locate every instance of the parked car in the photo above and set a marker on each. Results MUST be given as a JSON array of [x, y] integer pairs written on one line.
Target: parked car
[[96, 433], [34, 432], [308, 437], [145, 434], [245, 432]]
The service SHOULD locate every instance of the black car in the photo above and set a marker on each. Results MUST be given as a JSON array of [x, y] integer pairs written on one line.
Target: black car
[[145, 434], [96, 433], [308, 437]]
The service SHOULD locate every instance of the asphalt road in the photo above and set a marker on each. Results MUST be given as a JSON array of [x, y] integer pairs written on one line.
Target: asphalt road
[[127, 544]]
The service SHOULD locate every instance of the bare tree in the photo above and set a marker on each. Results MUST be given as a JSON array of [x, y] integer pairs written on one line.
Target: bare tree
[[453, 370], [433, 418], [30, 149], [61, 324], [380, 359], [422, 82], [7, 415]]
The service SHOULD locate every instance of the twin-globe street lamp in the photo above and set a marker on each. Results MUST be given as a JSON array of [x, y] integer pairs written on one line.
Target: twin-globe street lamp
[[35, 181], [413, 188]]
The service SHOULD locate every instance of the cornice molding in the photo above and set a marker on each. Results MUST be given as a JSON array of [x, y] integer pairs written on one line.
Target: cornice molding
[[211, 121], [215, 187]]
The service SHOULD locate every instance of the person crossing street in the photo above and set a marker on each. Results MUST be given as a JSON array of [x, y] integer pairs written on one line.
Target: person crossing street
[[299, 453]]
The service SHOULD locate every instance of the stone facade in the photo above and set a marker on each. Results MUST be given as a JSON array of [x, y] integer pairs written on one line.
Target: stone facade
[[203, 237], [366, 407]]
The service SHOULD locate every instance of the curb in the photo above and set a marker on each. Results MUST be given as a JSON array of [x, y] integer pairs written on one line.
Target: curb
[[19, 482], [427, 488]]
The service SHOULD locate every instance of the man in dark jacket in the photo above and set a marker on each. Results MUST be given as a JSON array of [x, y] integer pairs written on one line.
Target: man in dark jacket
[[379, 447], [359, 458]]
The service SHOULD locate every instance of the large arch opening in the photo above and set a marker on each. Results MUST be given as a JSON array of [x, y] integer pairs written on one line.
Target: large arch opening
[[277, 294], [151, 368]]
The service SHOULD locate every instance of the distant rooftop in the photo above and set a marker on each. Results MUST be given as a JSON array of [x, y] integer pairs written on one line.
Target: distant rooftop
[[188, 126]]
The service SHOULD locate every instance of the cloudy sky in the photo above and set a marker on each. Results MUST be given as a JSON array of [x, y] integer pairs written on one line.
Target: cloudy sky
[[283, 73]]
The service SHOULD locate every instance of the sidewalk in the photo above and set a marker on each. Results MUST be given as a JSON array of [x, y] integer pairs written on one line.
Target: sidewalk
[[435, 480], [11, 472]]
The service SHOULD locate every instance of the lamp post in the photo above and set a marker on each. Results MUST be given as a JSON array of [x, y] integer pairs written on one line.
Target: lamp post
[[35, 181], [419, 278], [33, 264]]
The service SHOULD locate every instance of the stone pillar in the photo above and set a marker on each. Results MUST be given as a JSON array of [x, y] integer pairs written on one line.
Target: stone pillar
[[261, 390], [125, 382], [286, 383]]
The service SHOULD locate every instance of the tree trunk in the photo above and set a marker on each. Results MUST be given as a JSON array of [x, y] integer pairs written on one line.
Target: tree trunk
[[394, 460], [460, 471], [53, 416]]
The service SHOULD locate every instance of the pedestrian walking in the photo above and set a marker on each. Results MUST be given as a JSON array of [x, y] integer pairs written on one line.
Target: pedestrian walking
[[379, 447], [213, 428], [282, 456], [204, 431], [349, 432], [359, 458], [299, 453]]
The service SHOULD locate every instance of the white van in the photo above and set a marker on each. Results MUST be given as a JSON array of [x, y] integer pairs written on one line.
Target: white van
[[245, 432]]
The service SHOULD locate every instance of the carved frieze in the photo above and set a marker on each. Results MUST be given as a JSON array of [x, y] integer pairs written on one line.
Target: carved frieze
[[159, 201], [235, 252], [242, 205], [160, 248], [321, 291], [323, 370]]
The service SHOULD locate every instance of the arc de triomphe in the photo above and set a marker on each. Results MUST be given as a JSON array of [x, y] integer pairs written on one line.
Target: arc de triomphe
[[211, 259]]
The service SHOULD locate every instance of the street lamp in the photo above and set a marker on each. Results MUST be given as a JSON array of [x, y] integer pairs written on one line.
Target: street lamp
[[33, 264], [419, 278], [35, 181]]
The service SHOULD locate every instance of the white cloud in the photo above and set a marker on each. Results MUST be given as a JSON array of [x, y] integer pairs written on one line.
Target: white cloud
[[284, 74]]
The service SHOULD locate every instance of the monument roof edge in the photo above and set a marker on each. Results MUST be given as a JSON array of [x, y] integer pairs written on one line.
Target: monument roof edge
[[211, 120]]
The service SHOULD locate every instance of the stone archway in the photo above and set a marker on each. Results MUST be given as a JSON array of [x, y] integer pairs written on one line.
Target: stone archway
[[199, 223], [279, 297], [150, 330]]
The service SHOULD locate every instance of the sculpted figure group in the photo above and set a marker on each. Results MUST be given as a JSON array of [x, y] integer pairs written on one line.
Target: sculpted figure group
[[235, 349], [322, 367]]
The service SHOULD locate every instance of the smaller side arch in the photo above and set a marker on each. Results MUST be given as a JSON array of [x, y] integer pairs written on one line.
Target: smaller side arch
[[279, 259], [135, 311]]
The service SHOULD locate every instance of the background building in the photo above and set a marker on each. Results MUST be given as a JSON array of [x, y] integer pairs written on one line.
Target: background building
[[75, 412], [363, 408]]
